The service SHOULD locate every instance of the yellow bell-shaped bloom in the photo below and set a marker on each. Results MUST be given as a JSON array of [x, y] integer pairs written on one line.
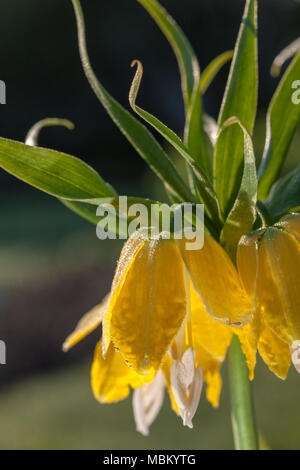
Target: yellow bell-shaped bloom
[[148, 306], [269, 264], [195, 360], [160, 326]]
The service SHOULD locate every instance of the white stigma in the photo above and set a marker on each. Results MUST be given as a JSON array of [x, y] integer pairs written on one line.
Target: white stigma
[[147, 402], [186, 384]]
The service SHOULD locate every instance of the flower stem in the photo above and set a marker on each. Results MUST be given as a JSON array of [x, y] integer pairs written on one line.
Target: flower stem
[[243, 420]]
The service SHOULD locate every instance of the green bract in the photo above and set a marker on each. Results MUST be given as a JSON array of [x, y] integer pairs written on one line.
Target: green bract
[[219, 156]]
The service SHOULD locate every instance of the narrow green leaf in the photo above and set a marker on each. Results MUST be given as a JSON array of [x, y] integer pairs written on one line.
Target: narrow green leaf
[[133, 130], [240, 100], [85, 210], [193, 132], [285, 194], [208, 74], [88, 212], [116, 213], [56, 173], [164, 130], [195, 120], [186, 57], [204, 186], [283, 117], [243, 214]]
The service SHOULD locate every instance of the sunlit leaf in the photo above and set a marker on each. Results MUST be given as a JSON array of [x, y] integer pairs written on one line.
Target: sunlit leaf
[[115, 212], [240, 100], [243, 214], [56, 173], [283, 117], [285, 194], [194, 132], [206, 190]]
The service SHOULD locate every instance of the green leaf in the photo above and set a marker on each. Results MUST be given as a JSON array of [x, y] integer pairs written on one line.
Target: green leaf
[[85, 210], [164, 130], [193, 132], [283, 117], [56, 173], [243, 214], [285, 194], [186, 57], [88, 210], [240, 100], [133, 130], [204, 186], [208, 74]]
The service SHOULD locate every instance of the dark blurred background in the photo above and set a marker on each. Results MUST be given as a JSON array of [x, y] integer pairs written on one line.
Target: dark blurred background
[[53, 268], [41, 68]]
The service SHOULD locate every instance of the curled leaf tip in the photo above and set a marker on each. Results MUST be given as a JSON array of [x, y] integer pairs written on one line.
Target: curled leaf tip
[[287, 53], [136, 83], [33, 133], [229, 122]]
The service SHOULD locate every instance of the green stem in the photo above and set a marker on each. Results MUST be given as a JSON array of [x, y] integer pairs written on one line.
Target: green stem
[[243, 421]]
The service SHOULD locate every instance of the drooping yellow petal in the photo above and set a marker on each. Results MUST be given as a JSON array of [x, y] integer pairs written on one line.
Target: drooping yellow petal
[[254, 270], [275, 353], [249, 346], [217, 281], [87, 324], [128, 253], [211, 374], [214, 387], [278, 285], [166, 367], [111, 378], [149, 307], [209, 333]]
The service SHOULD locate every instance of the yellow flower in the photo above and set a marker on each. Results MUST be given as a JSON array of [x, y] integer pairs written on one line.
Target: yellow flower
[[160, 326], [269, 264]]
